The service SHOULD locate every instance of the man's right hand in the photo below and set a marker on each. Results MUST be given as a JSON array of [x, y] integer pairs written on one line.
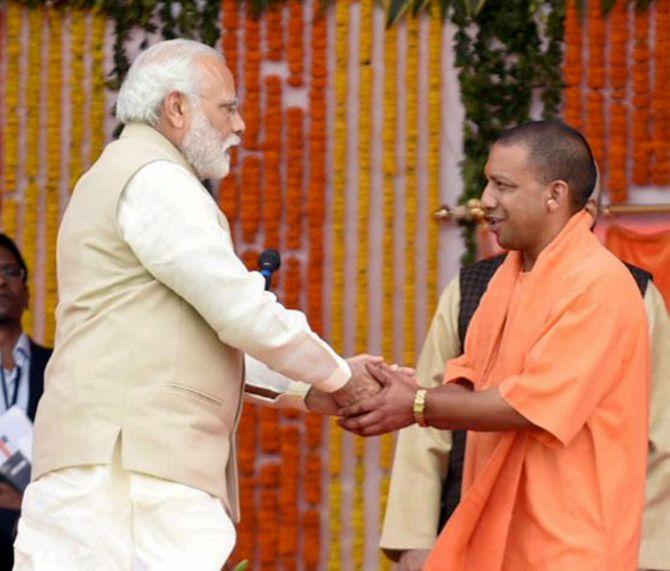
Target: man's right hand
[[361, 384], [412, 560]]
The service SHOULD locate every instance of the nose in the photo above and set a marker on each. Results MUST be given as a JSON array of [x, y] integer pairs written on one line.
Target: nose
[[488, 200], [239, 125]]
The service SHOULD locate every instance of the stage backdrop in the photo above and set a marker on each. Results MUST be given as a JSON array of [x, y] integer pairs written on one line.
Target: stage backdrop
[[354, 136]]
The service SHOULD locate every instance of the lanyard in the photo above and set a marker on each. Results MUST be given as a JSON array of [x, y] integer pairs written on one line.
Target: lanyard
[[5, 391]]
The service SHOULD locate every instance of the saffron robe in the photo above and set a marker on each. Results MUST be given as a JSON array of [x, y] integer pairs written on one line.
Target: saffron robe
[[567, 346]]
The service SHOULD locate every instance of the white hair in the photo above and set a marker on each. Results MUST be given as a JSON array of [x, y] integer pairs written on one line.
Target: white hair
[[161, 69]]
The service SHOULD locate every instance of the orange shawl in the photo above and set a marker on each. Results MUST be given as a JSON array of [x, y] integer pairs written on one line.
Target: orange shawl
[[567, 346]]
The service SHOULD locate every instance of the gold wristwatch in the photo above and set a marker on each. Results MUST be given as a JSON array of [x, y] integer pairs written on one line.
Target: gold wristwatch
[[420, 407]]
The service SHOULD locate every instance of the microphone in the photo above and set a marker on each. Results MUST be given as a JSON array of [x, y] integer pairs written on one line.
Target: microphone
[[268, 262]]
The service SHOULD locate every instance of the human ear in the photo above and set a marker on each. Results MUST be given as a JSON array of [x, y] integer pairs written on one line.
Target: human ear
[[175, 109]]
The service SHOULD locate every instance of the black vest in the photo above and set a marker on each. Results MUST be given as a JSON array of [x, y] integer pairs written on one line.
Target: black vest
[[473, 281]]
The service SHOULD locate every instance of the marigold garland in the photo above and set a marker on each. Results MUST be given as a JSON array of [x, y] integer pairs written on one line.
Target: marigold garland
[[247, 533], [618, 133], [294, 48], [288, 496], [268, 536], [32, 156], [229, 185], [594, 127], [246, 536], [363, 255], [250, 199], [2, 122], [434, 128], [389, 171], [314, 424], [252, 80], [338, 208], [274, 33], [98, 102], [272, 183], [572, 66], [642, 145], [411, 189], [294, 177], [661, 98], [53, 175], [77, 94], [317, 176], [11, 113]]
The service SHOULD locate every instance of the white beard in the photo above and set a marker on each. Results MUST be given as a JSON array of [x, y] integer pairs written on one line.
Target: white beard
[[204, 149]]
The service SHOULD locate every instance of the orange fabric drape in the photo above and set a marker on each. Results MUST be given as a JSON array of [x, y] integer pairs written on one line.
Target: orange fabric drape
[[648, 251]]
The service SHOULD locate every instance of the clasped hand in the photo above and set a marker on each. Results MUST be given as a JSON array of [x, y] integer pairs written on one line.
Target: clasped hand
[[383, 402]]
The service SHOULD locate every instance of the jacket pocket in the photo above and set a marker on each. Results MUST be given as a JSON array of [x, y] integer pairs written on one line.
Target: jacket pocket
[[196, 393]]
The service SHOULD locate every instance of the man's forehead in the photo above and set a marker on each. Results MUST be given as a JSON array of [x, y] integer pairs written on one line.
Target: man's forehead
[[215, 76], [507, 158]]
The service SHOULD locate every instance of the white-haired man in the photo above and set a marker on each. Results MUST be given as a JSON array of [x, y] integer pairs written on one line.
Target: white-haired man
[[134, 446]]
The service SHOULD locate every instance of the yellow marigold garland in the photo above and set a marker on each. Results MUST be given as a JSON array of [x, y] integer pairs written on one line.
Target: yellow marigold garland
[[14, 16], [53, 178], [338, 244], [363, 253], [434, 127], [32, 156], [98, 103], [411, 188], [389, 171], [77, 94]]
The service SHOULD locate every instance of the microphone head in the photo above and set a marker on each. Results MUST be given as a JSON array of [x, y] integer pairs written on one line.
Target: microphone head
[[269, 260]]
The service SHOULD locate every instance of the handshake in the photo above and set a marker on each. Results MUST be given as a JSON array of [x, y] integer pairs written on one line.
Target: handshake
[[378, 398]]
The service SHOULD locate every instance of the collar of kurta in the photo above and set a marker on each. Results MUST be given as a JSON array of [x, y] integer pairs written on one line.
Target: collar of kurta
[[543, 289], [150, 135]]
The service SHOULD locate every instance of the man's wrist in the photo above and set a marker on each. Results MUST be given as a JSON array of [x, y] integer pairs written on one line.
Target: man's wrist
[[419, 407]]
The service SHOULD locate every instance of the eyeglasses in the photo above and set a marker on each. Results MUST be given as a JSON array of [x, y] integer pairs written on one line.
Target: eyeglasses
[[12, 272]]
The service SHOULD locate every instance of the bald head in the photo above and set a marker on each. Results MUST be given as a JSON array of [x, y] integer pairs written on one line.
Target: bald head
[[556, 151]]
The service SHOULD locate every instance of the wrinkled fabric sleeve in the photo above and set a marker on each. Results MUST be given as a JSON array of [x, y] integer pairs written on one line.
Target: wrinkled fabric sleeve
[[573, 364], [422, 454], [172, 225], [655, 548]]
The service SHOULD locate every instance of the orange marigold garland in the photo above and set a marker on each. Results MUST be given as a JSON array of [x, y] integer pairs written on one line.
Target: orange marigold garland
[[661, 99], [595, 108], [642, 145], [268, 536], [313, 481], [618, 71], [229, 186], [247, 533], [274, 32], [250, 199], [272, 195], [294, 48], [317, 176], [288, 496], [252, 80], [294, 177], [572, 66]]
